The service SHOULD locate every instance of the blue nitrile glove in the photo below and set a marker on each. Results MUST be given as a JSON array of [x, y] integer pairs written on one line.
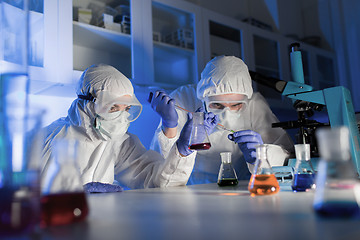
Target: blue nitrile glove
[[98, 187], [184, 140], [165, 107], [247, 140], [210, 122]]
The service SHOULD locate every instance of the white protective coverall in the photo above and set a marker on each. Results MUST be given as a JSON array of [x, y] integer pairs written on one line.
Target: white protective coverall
[[225, 75], [123, 159]]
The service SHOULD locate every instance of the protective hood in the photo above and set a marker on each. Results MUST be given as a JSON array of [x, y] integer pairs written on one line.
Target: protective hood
[[98, 86], [224, 75]]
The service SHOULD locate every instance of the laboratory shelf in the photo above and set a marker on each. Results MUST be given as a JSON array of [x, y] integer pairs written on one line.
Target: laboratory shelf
[[100, 38]]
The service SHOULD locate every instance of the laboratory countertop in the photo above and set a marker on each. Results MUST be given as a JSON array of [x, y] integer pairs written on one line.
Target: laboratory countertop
[[204, 212]]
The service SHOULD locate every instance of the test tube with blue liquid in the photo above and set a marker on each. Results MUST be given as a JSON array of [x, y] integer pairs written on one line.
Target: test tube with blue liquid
[[337, 185]]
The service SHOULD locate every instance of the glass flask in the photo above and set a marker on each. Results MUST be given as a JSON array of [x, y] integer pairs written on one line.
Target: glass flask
[[263, 180], [199, 138], [337, 186], [304, 174], [20, 153], [227, 175], [63, 199]]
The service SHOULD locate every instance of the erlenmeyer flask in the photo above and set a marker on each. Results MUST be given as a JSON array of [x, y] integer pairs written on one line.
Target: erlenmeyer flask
[[263, 180], [304, 174], [63, 200], [199, 138], [227, 175], [337, 186]]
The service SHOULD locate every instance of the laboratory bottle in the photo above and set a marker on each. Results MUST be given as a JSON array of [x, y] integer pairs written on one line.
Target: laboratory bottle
[[337, 185], [263, 180], [199, 139], [227, 175], [63, 199], [304, 174]]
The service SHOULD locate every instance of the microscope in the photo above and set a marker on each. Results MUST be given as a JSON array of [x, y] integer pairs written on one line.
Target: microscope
[[336, 100]]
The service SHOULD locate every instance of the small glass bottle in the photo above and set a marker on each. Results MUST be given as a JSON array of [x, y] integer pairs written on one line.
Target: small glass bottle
[[263, 180], [227, 175], [304, 174], [337, 185], [63, 199]]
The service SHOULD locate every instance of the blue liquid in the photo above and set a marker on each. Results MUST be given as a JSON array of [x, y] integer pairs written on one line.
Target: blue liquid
[[337, 209], [302, 182]]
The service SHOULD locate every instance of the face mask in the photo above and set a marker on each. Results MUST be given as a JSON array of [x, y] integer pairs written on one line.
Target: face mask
[[229, 118], [113, 125]]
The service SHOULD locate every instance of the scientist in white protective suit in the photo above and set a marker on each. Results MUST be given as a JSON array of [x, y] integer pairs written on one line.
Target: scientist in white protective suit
[[108, 155], [225, 89]]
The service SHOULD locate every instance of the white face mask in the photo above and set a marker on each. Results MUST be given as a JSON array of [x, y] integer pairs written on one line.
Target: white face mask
[[113, 125], [229, 118]]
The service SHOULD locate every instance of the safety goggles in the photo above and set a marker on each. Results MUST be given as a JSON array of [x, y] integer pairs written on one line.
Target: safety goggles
[[107, 103], [220, 106]]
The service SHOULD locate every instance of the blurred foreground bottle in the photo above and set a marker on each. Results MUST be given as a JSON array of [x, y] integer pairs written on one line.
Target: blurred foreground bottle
[[63, 199], [263, 180], [337, 185]]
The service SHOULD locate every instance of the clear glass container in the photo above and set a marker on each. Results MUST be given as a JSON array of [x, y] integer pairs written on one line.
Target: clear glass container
[[337, 185], [63, 199], [227, 175], [263, 180], [304, 174], [199, 138]]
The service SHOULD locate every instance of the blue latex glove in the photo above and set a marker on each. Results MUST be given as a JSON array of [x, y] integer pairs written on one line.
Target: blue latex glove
[[247, 140], [98, 187], [165, 107], [184, 140], [210, 120]]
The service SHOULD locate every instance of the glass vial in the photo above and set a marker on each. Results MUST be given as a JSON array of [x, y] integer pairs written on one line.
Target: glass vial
[[263, 180], [227, 175], [63, 199], [304, 174], [337, 186], [199, 138]]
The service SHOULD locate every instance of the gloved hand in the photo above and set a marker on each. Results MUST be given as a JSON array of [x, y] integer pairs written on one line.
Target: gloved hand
[[210, 120], [165, 107], [98, 187], [184, 140], [247, 140]]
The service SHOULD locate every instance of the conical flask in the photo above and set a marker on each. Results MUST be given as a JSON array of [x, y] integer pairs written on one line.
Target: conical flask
[[263, 180], [227, 175], [63, 199], [199, 138], [304, 174], [337, 186]]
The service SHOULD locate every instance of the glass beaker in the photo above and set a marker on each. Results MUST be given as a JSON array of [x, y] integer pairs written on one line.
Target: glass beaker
[[337, 186], [63, 199], [263, 180], [227, 175], [304, 174], [21, 142], [199, 138]]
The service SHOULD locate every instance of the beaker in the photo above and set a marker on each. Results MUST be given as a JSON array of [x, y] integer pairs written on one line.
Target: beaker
[[304, 174], [337, 191], [63, 199], [199, 138], [263, 180], [227, 175], [21, 142]]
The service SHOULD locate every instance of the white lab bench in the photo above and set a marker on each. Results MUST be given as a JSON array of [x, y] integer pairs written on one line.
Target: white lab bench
[[204, 212]]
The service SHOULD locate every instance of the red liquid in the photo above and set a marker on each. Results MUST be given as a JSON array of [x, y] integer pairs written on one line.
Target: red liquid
[[200, 146], [60, 209], [263, 184]]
